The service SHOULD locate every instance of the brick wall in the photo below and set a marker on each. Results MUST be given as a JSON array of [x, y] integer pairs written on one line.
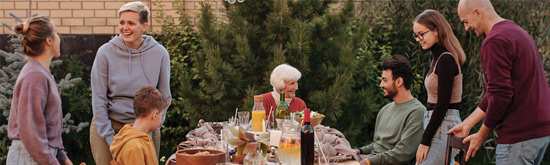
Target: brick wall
[[92, 16]]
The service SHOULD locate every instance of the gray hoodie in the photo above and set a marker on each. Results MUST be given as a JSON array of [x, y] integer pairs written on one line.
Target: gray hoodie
[[118, 72]]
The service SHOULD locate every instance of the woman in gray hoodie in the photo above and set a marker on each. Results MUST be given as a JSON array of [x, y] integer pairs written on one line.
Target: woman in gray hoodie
[[128, 62]]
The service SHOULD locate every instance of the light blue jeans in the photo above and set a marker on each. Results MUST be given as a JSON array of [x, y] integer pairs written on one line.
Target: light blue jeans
[[18, 155], [438, 148], [525, 152]]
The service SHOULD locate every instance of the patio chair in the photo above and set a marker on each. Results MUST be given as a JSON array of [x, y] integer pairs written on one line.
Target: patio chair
[[456, 142]]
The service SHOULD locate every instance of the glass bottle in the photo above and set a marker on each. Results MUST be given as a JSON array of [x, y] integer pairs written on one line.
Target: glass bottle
[[282, 110], [258, 114], [307, 137]]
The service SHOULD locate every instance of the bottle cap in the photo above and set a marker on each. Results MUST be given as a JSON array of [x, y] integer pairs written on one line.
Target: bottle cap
[[306, 115], [258, 98]]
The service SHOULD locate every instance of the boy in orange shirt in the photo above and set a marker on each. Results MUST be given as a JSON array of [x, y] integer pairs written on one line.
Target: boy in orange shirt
[[133, 143]]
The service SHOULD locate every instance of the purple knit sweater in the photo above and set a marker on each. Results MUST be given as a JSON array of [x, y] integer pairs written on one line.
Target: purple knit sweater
[[35, 115]]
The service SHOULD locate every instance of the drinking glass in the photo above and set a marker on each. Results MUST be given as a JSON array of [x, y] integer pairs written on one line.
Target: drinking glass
[[244, 117], [275, 137], [224, 135]]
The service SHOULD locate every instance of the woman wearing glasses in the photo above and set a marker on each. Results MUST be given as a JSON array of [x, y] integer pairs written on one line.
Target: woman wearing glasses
[[443, 84]]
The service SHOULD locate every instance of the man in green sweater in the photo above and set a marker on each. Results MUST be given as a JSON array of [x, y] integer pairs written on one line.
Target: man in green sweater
[[399, 124]]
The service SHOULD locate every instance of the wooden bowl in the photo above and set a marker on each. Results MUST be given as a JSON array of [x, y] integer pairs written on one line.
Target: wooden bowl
[[314, 121], [188, 157]]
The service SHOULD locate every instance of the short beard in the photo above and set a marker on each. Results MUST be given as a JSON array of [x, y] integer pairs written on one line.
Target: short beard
[[391, 93]]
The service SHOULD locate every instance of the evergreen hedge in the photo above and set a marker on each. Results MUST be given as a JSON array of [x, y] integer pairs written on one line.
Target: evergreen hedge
[[219, 64]]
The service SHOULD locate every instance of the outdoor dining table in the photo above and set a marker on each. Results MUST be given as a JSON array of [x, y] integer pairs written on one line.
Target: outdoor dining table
[[346, 162]]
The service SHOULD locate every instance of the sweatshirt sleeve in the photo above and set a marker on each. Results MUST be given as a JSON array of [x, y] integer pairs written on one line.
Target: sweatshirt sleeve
[[30, 117], [366, 149], [99, 79], [497, 67], [405, 149], [164, 79], [446, 70], [61, 156]]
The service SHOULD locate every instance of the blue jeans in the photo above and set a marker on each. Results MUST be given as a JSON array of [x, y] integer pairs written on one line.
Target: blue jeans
[[525, 152], [438, 148]]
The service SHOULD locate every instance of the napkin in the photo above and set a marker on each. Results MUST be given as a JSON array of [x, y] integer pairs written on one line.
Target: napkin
[[333, 142], [200, 137]]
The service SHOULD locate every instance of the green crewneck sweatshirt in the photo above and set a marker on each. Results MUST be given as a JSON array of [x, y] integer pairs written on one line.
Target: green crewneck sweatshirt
[[397, 133]]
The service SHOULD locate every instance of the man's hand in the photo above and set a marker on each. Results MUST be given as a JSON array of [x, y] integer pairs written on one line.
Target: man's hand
[[460, 130], [476, 140], [357, 151], [422, 153], [68, 162], [463, 129]]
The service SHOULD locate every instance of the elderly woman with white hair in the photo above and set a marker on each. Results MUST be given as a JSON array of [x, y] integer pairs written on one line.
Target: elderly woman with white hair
[[284, 78]]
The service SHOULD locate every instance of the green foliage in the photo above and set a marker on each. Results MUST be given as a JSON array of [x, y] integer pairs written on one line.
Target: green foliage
[[181, 42], [533, 16], [337, 51], [219, 64], [78, 102], [237, 57]]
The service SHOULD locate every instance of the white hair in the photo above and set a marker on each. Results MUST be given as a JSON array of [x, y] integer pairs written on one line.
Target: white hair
[[137, 7], [282, 73]]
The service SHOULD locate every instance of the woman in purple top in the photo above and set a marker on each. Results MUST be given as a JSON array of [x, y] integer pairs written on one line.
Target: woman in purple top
[[35, 119], [443, 84]]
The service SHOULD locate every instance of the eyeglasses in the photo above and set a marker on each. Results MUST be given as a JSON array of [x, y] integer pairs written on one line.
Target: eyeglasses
[[420, 36]]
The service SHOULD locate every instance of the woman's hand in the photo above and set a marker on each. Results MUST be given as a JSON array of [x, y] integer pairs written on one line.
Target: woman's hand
[[422, 153], [68, 162]]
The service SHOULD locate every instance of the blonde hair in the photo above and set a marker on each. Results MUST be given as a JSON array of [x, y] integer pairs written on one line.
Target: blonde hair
[[139, 8], [433, 20], [282, 73]]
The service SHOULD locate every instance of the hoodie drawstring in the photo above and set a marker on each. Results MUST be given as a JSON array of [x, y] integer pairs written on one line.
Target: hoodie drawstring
[[143, 68], [130, 63]]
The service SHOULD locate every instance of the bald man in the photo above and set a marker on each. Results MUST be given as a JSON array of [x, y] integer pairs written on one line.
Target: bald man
[[517, 100]]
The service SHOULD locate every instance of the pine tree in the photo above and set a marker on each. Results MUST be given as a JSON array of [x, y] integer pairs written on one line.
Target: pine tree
[[8, 76], [240, 51]]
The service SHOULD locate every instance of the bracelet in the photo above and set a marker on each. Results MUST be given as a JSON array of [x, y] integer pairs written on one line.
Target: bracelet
[[367, 160]]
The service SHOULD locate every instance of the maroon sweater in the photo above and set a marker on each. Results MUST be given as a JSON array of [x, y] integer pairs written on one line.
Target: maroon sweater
[[35, 116], [517, 103], [296, 104]]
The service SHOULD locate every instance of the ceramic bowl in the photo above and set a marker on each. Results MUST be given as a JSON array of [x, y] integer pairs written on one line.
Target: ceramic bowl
[[188, 157], [314, 121]]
